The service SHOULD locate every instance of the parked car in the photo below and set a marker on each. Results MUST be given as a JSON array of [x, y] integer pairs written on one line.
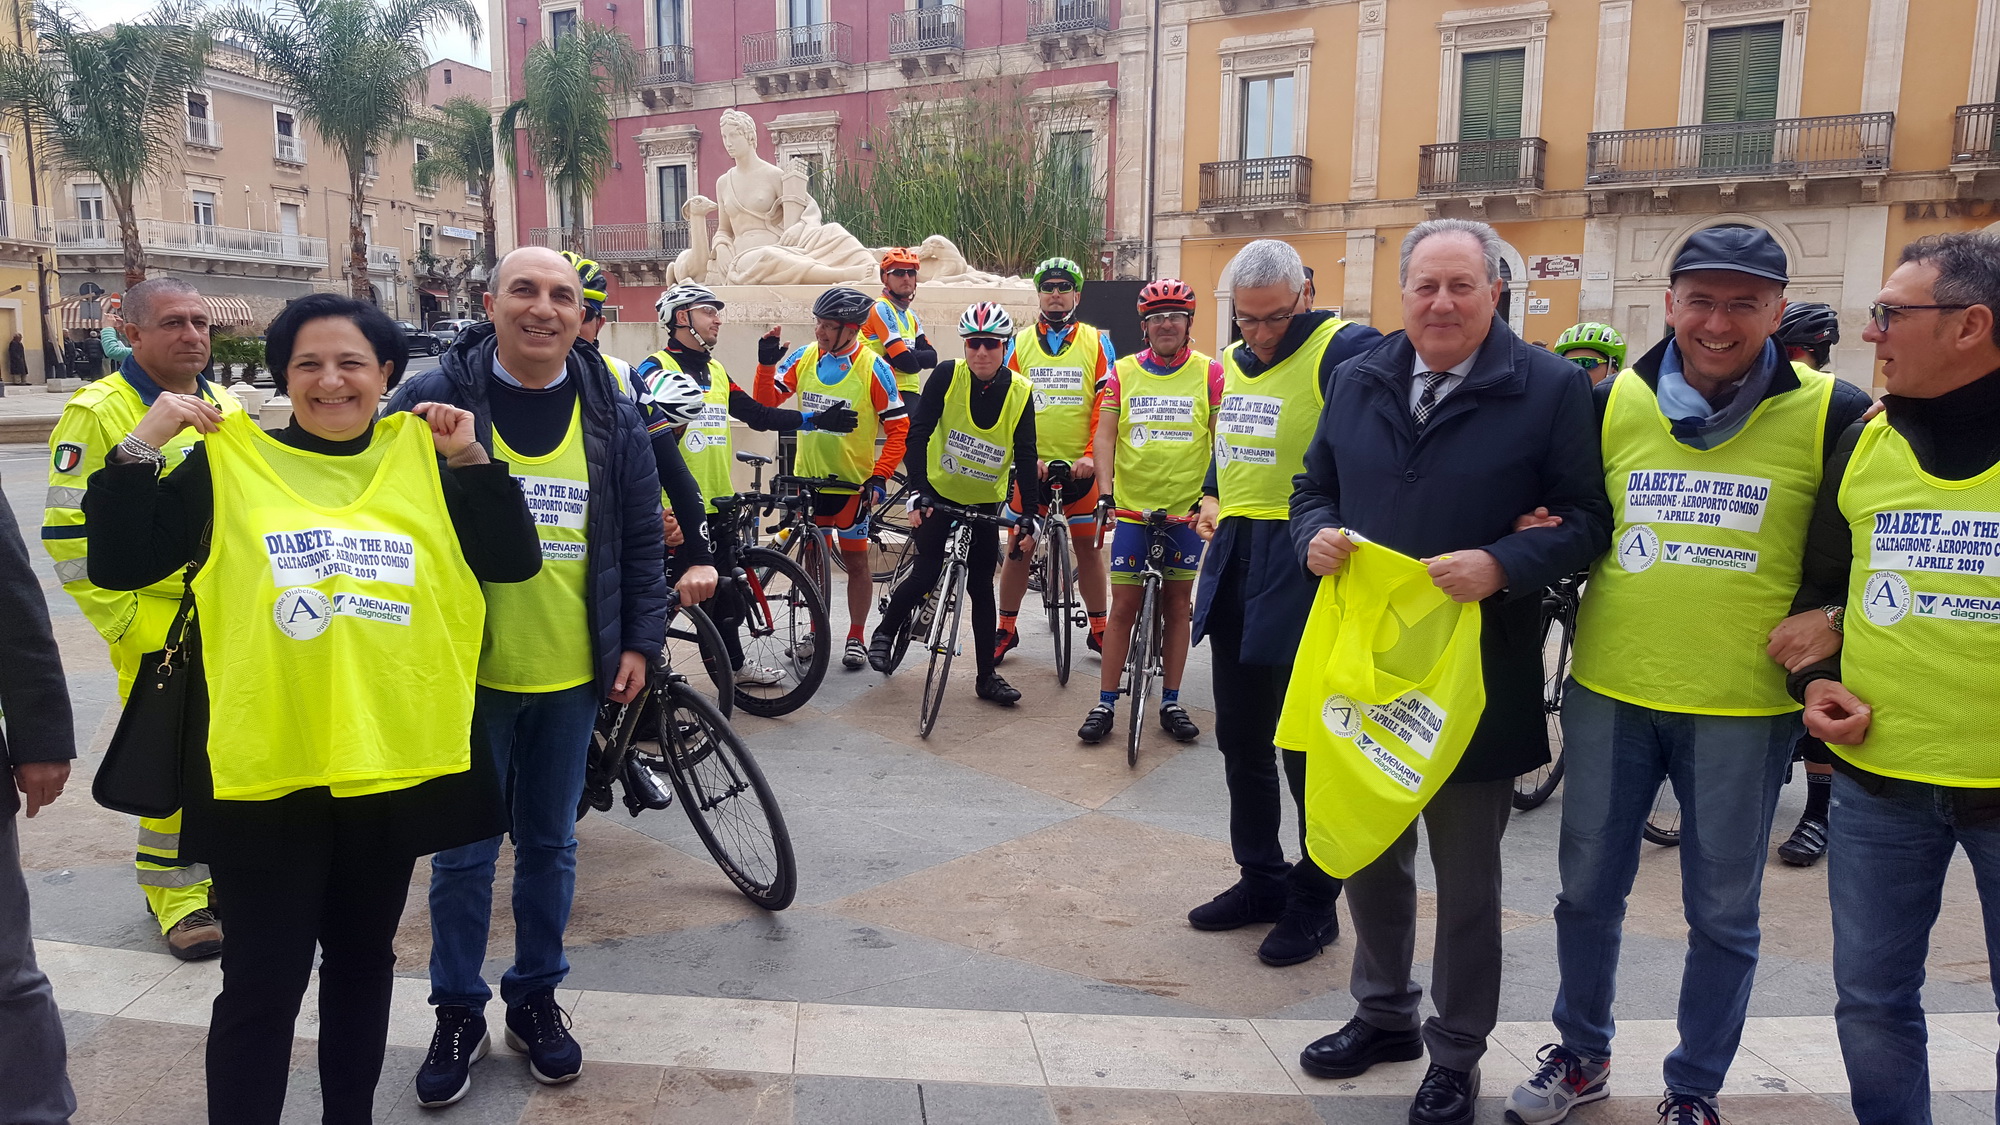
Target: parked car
[[421, 342], [447, 330]]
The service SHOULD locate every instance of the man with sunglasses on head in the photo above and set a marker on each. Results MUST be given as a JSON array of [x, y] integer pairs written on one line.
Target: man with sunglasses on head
[[1597, 348], [1714, 448], [893, 329], [1067, 361]]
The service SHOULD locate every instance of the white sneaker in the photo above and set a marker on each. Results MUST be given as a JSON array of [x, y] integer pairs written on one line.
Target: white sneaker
[[1564, 1081], [752, 674]]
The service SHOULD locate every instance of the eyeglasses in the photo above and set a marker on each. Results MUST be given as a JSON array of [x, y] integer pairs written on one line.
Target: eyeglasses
[[1588, 363], [1166, 318], [1263, 321], [1058, 287], [1880, 313], [900, 273], [1734, 310], [984, 343]]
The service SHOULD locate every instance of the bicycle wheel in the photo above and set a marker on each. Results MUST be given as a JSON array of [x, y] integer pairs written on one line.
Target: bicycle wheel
[[1059, 592], [726, 797], [1663, 827], [1141, 665], [694, 642], [807, 546], [1533, 788], [943, 639], [785, 635], [890, 540]]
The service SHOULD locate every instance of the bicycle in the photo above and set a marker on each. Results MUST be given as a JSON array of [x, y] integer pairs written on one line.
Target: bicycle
[[1144, 660], [772, 601], [693, 638], [942, 609], [797, 536], [711, 772], [1055, 566]]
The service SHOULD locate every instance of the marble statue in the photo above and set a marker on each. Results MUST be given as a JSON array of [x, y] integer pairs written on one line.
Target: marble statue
[[940, 262], [769, 230]]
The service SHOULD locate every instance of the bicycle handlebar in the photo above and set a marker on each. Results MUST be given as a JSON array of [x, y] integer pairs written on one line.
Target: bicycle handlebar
[[939, 505], [813, 483]]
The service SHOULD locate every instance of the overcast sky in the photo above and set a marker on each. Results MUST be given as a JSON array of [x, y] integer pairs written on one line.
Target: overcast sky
[[452, 46]]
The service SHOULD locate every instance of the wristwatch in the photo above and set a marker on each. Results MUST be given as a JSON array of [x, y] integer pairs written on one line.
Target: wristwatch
[[1834, 615]]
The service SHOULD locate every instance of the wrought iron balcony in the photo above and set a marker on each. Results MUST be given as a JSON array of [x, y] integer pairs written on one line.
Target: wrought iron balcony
[[1067, 17], [616, 242], [798, 48], [1269, 181], [1789, 148], [193, 240], [290, 150], [204, 132], [926, 30], [23, 224], [1482, 167], [1976, 134], [670, 64]]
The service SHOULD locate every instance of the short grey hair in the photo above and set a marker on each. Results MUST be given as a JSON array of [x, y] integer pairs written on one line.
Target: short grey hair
[[1266, 262], [140, 299], [1489, 243], [1968, 269]]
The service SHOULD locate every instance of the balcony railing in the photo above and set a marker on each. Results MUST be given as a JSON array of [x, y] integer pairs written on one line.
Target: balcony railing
[[193, 239], [1976, 134], [25, 223], [1269, 181], [205, 132], [1790, 148], [291, 150], [667, 65], [384, 258], [1471, 167], [791, 48], [1067, 17], [923, 30], [616, 242]]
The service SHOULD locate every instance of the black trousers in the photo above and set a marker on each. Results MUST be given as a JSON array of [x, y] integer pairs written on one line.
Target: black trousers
[[275, 918], [1248, 700], [981, 561]]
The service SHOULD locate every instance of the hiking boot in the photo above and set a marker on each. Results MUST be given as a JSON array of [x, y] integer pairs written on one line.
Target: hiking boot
[[196, 937], [1807, 845], [993, 689], [1564, 1081], [459, 1041], [1234, 909], [1174, 720], [1097, 724], [539, 1028]]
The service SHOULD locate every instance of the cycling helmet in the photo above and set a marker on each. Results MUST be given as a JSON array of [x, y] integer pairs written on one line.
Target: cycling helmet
[[1808, 324], [675, 394], [1596, 337], [899, 258], [595, 286], [1062, 266], [847, 306], [686, 295], [985, 319], [1168, 294]]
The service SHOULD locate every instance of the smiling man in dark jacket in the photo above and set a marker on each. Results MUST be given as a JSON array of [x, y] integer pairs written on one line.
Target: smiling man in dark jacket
[[1432, 445], [586, 628]]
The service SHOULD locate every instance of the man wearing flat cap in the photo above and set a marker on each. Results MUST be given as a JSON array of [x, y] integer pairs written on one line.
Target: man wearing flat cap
[[1714, 447]]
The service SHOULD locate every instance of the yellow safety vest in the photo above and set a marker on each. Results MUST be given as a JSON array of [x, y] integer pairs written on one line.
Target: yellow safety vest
[[1064, 389], [965, 463], [1164, 434], [538, 631], [340, 623], [95, 419], [903, 324], [1706, 555], [705, 442], [1266, 423], [1922, 645], [1385, 694], [850, 456]]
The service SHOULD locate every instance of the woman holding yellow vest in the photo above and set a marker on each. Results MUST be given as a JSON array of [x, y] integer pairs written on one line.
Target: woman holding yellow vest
[[339, 605], [973, 426]]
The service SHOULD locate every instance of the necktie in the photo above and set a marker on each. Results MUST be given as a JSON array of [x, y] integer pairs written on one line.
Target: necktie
[[1427, 398]]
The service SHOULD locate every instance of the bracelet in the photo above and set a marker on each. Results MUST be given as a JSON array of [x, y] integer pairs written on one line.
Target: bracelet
[[140, 451], [1835, 614]]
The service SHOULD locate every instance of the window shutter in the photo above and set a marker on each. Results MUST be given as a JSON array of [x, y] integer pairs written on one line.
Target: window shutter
[[1742, 82], [1489, 110]]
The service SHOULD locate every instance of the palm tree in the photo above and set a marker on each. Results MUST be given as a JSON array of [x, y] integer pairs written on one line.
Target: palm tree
[[110, 104], [567, 83], [353, 68], [461, 135]]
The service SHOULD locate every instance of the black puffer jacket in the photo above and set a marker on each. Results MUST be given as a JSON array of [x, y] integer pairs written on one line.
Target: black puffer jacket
[[626, 584]]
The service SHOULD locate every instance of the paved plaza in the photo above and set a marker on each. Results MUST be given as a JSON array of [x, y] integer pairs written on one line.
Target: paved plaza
[[989, 929]]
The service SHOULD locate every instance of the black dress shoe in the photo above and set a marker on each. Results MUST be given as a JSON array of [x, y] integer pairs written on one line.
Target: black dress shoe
[[1356, 1047], [1234, 909], [1446, 1097], [1299, 936]]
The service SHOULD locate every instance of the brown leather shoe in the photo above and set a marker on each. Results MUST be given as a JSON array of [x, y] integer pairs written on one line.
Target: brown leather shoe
[[196, 937]]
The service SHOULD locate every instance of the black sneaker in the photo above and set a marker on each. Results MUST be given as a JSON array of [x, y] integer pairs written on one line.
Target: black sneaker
[[539, 1028], [1235, 908], [1097, 724], [993, 689], [1807, 845], [1174, 720], [459, 1041], [1298, 937]]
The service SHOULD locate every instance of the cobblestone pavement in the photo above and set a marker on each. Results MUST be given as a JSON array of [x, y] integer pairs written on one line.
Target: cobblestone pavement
[[989, 929]]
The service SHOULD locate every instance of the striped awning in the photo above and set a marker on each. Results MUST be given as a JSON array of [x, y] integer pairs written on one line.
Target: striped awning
[[228, 310], [221, 310]]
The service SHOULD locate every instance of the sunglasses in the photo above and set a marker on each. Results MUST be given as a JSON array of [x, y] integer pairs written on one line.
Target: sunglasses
[[1058, 287], [1587, 362], [900, 273], [984, 343]]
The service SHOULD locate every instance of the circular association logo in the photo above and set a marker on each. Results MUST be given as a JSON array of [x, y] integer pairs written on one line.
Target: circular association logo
[[947, 463], [1341, 716], [1139, 436], [302, 613], [695, 442], [1638, 548], [1886, 598]]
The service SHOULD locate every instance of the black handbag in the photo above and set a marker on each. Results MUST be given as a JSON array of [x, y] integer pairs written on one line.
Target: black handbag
[[141, 771]]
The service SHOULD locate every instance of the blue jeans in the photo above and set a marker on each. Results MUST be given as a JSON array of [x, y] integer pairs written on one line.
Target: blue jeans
[[1726, 771], [539, 742], [1887, 854]]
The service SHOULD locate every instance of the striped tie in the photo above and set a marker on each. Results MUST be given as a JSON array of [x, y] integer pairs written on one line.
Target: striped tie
[[1427, 398]]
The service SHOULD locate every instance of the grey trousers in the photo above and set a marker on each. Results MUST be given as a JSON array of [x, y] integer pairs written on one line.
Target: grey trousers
[[1464, 824], [34, 1083]]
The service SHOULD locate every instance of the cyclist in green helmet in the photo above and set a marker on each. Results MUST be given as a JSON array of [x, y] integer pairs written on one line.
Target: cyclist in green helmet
[[1597, 348]]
